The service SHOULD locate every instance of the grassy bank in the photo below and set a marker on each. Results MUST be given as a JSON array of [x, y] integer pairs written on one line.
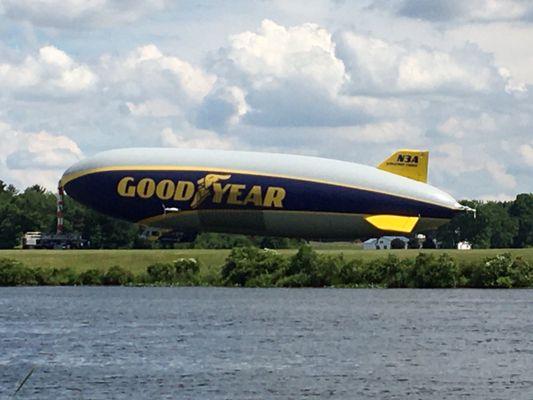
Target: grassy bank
[[253, 267], [136, 261]]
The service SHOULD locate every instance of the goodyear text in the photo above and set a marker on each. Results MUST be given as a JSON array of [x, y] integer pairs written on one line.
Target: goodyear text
[[211, 186]]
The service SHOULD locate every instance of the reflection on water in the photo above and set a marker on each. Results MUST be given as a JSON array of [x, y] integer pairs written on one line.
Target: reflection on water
[[214, 343]]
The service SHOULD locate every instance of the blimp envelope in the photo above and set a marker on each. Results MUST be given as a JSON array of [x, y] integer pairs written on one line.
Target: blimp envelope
[[261, 193]]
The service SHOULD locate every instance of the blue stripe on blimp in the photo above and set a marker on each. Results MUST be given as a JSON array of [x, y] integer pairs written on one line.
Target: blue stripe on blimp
[[137, 195]]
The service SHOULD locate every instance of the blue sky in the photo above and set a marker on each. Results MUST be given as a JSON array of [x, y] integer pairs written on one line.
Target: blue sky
[[352, 80]]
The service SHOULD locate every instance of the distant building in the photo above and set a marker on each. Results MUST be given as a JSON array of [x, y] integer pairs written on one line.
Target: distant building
[[370, 244], [384, 243], [464, 245]]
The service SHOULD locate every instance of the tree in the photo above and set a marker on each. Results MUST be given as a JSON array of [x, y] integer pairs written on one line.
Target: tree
[[397, 244], [493, 226], [522, 210]]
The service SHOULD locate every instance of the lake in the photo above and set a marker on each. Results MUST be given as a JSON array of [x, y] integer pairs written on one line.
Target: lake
[[233, 343]]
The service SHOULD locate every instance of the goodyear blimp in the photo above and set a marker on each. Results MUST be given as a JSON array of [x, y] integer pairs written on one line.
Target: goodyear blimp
[[265, 194]]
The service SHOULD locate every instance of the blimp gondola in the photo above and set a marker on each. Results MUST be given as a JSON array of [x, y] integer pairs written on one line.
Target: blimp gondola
[[265, 194]]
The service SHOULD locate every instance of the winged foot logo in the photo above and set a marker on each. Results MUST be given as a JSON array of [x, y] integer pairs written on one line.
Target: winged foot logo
[[214, 186]]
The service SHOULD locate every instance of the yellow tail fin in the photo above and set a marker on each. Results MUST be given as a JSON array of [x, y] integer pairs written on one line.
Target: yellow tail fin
[[412, 164]]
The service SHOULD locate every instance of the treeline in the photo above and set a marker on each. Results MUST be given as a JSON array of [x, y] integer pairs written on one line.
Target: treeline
[[34, 209], [497, 224], [254, 267]]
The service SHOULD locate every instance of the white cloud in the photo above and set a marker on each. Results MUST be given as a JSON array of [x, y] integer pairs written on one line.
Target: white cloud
[[290, 75], [146, 73], [76, 14], [472, 10], [382, 132], [194, 139], [459, 127], [510, 44], [500, 175], [154, 108], [50, 71], [35, 157], [376, 65], [223, 107], [451, 159], [497, 197], [304, 52], [526, 151]]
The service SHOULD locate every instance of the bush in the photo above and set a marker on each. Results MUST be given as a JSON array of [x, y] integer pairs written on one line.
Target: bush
[[161, 272], [56, 276], [14, 273], [351, 273], [501, 272], [117, 276], [492, 272], [521, 273], [431, 272], [397, 272], [186, 266], [183, 271], [296, 280], [327, 272], [90, 277], [245, 264], [374, 273]]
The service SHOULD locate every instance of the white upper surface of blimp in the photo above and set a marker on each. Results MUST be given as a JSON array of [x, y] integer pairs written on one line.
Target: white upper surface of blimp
[[291, 166]]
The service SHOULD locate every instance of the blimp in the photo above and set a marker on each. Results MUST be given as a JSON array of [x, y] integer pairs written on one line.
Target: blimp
[[267, 194]]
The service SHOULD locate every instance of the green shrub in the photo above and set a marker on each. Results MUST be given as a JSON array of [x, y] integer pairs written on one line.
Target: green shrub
[[312, 269], [327, 271], [431, 272], [14, 273], [211, 278], [90, 277], [521, 273], [162, 272], [296, 280], [264, 280], [54, 276], [374, 273], [63, 277], [501, 272], [183, 271], [186, 266], [351, 273], [116, 275], [490, 272], [305, 261], [246, 263], [397, 272], [42, 276]]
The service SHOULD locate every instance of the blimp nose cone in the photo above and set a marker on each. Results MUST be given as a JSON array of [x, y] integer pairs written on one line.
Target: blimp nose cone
[[94, 182]]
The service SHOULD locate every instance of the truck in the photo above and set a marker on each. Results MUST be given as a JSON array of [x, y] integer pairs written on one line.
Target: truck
[[39, 240], [58, 240]]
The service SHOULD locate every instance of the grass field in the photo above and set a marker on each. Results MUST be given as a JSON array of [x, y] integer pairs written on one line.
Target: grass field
[[137, 260]]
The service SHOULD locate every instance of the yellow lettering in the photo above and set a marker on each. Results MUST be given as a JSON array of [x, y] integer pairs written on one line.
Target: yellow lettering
[[184, 191], [124, 189], [274, 197], [254, 196], [234, 193], [165, 189], [219, 191], [146, 188]]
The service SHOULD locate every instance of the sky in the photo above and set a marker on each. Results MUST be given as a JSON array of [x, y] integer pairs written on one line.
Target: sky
[[350, 80]]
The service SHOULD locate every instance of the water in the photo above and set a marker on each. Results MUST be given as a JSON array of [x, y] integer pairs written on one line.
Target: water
[[214, 343]]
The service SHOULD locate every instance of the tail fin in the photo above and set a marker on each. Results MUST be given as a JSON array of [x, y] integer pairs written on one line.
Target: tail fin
[[412, 164]]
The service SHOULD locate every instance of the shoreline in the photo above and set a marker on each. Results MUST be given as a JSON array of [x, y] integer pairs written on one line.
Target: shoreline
[[253, 267]]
